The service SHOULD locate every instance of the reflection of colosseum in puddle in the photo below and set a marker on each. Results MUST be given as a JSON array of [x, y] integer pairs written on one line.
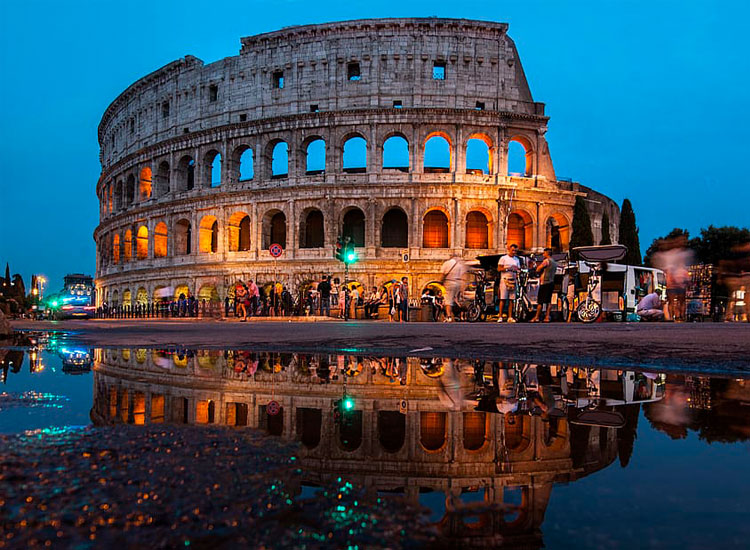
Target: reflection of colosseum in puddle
[[487, 477]]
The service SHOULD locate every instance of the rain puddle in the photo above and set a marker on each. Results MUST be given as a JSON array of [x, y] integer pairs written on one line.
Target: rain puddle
[[290, 450]]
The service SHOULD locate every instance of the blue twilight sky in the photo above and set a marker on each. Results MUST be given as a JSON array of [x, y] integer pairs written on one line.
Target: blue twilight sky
[[647, 99]]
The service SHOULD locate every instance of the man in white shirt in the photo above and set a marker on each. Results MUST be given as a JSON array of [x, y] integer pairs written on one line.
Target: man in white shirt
[[650, 307], [508, 267]]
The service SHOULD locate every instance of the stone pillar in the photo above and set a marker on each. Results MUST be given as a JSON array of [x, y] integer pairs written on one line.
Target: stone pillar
[[292, 237]]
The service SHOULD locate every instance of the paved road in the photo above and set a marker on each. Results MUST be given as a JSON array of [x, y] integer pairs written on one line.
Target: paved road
[[701, 346]]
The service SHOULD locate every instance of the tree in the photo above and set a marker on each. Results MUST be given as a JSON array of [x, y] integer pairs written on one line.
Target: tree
[[629, 234], [716, 243], [582, 234], [606, 237]]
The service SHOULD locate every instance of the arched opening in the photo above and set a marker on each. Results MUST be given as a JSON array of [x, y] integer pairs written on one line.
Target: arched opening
[[478, 155], [208, 235], [127, 297], [116, 249], [558, 233], [242, 160], [274, 229], [144, 186], [516, 429], [181, 292], [315, 157], [130, 190], [437, 154], [477, 230], [212, 167], [391, 430], [309, 422], [274, 424], [395, 230], [312, 234], [354, 226], [208, 293], [239, 232], [115, 300], [350, 431], [141, 297], [432, 430], [475, 430], [127, 245], [519, 231], [160, 240], [186, 174], [396, 154], [182, 237], [520, 157], [162, 179], [141, 243], [118, 195], [280, 160], [355, 155], [435, 230]]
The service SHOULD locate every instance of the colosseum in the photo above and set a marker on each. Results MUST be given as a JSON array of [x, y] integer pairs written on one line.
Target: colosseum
[[415, 138]]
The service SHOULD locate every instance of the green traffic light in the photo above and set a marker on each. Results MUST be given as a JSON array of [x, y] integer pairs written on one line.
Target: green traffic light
[[54, 304], [348, 403], [351, 257]]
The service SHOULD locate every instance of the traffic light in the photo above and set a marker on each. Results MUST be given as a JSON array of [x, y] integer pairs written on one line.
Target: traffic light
[[341, 409], [338, 252], [350, 256], [347, 403]]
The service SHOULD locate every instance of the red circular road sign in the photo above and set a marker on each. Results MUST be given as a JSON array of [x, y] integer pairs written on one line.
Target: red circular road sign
[[273, 408], [276, 250]]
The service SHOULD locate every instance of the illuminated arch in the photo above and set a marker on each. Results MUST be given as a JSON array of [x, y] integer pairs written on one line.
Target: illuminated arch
[[520, 159], [239, 232], [208, 235], [557, 231], [144, 185], [479, 153], [116, 249], [520, 230], [141, 243], [127, 246], [432, 430], [160, 240], [435, 229], [477, 230], [476, 428]]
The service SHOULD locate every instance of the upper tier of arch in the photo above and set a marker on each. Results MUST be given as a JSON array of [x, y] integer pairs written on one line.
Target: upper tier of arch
[[405, 63]]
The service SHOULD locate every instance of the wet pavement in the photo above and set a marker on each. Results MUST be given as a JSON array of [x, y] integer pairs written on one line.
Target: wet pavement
[[670, 346], [176, 446]]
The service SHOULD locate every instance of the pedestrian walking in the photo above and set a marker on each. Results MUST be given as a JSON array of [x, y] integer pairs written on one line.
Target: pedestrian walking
[[241, 301], [453, 272]]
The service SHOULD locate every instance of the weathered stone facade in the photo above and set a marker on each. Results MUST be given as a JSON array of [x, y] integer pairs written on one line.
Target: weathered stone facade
[[172, 217]]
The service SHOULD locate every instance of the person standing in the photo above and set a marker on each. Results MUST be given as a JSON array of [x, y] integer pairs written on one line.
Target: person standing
[[342, 297], [324, 289], [403, 296], [254, 294], [240, 297], [335, 293], [453, 270], [508, 267], [547, 269]]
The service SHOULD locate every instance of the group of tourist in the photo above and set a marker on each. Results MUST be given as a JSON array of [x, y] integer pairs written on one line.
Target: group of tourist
[[343, 299]]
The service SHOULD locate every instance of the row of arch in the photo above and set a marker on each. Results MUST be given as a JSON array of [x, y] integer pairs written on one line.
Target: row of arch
[[436, 232], [438, 153]]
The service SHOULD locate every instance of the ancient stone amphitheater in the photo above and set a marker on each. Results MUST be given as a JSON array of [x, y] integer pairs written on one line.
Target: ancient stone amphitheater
[[417, 138]]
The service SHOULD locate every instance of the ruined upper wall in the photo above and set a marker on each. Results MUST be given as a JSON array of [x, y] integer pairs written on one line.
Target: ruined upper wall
[[396, 58]]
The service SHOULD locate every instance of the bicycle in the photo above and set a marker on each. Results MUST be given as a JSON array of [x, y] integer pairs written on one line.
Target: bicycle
[[590, 309], [523, 309]]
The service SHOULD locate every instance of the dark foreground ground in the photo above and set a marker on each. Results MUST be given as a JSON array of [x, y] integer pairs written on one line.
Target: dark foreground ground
[[182, 487], [709, 347]]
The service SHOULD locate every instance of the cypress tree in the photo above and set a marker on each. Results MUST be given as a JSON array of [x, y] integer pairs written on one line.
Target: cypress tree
[[629, 234], [606, 238], [582, 234]]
